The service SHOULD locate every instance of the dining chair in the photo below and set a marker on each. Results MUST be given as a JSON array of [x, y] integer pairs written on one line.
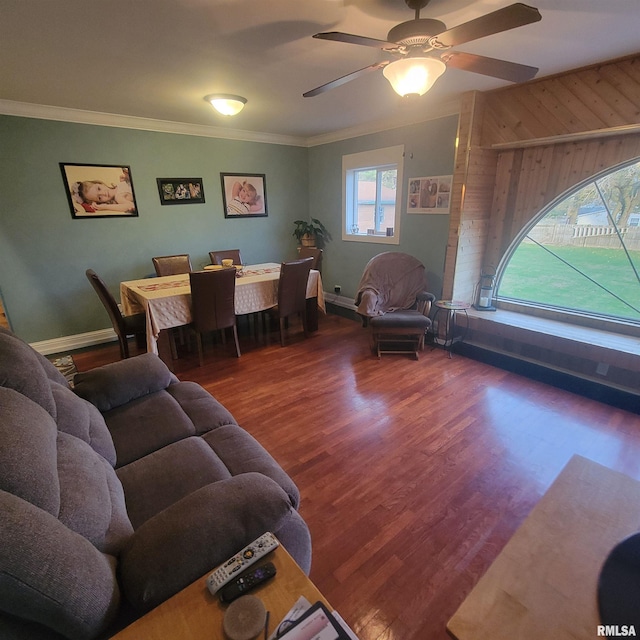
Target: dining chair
[[213, 304], [172, 265], [218, 256], [292, 294], [312, 252], [124, 326]]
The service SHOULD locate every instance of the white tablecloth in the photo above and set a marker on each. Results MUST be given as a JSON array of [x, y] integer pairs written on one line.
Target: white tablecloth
[[167, 300]]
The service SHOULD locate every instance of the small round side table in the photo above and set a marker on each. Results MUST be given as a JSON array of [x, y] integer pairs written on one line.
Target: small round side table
[[447, 311]]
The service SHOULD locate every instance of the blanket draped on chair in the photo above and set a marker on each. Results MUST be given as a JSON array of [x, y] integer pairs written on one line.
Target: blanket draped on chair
[[390, 281]]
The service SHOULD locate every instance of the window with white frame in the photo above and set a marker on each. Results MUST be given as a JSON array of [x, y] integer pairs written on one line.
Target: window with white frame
[[371, 195]]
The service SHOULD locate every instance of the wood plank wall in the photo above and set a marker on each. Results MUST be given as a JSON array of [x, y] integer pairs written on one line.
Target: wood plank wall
[[531, 178], [519, 149], [472, 193], [501, 189]]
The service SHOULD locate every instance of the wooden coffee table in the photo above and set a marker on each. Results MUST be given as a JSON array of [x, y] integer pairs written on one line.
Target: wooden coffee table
[[544, 582], [194, 613]]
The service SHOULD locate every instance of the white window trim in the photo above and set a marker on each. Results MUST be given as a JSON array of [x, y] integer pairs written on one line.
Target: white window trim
[[375, 158]]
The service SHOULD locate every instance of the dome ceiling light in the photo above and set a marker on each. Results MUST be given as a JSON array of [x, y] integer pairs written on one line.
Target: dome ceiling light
[[226, 104]]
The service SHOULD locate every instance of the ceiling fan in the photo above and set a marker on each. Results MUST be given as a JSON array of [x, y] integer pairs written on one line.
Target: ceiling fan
[[423, 48]]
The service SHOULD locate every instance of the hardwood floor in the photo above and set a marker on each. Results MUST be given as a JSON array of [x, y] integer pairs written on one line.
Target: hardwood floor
[[413, 475]]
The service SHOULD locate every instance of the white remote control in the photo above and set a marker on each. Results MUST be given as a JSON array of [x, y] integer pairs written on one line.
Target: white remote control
[[243, 559]]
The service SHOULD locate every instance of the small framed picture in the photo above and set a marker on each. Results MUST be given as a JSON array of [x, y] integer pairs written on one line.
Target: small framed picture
[[429, 195], [99, 190], [244, 195], [180, 190]]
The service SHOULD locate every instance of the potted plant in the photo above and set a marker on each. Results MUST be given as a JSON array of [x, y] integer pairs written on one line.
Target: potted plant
[[311, 233]]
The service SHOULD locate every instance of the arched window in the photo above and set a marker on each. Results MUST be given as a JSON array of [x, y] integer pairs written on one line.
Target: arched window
[[583, 253]]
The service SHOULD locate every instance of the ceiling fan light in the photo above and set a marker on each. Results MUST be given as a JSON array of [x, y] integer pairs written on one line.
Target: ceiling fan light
[[413, 75], [226, 104]]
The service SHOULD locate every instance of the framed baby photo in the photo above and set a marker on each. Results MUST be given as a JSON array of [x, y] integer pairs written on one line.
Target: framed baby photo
[[180, 190], [244, 195], [99, 190]]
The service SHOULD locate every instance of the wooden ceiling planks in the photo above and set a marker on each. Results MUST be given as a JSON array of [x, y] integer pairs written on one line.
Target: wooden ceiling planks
[[597, 97]]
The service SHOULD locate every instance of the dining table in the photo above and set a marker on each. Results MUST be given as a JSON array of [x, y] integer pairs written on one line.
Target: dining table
[[166, 300]]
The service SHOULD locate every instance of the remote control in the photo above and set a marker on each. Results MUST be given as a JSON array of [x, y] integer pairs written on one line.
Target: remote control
[[247, 580], [242, 560]]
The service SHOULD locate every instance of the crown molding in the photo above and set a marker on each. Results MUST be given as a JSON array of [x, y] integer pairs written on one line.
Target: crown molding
[[79, 116], [442, 110]]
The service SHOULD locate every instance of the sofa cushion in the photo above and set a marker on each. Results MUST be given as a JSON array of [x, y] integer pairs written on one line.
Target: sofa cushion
[[51, 575], [203, 409], [91, 496], [146, 425], [156, 481], [31, 374], [51, 371], [118, 383], [242, 453], [20, 369], [28, 452], [403, 320], [192, 536], [81, 419]]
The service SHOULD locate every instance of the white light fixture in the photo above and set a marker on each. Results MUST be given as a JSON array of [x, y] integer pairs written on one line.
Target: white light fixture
[[413, 75], [226, 104]]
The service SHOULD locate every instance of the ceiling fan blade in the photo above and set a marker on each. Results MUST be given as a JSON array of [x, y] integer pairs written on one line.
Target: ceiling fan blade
[[350, 76], [338, 36], [515, 15], [511, 71]]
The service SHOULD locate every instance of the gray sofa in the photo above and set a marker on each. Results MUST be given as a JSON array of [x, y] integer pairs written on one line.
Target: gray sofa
[[118, 493]]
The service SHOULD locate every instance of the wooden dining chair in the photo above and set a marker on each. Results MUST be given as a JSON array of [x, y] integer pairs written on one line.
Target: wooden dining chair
[[292, 294], [172, 265], [312, 252], [217, 257], [124, 326], [213, 304]]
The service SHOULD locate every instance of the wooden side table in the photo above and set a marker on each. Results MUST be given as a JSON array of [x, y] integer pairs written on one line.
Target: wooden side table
[[193, 613]]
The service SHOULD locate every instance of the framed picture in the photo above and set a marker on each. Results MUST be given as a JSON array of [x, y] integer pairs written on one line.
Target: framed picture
[[180, 190], [429, 195], [99, 190], [244, 195]]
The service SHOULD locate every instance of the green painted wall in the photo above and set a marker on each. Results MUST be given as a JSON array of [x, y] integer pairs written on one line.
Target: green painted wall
[[429, 151], [44, 252]]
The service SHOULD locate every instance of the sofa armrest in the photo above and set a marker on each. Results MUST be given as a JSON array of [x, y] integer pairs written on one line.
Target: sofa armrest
[[118, 383], [199, 532], [51, 575]]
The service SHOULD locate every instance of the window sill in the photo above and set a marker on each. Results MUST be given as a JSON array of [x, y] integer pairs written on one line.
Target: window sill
[[570, 318], [617, 343], [588, 356], [375, 239]]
